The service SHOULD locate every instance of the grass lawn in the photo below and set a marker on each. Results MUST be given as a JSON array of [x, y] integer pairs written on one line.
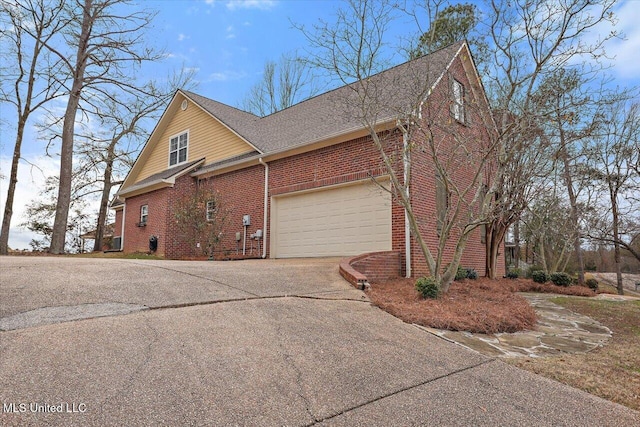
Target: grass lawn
[[611, 372]]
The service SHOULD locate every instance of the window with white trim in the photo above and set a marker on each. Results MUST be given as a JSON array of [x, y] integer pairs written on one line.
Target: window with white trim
[[211, 210], [144, 214], [457, 107], [178, 149]]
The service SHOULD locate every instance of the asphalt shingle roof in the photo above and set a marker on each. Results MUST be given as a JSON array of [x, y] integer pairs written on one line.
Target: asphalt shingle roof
[[392, 93]]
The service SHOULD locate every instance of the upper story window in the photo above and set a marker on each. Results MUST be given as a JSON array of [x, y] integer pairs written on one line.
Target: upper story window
[[144, 214], [457, 107], [178, 148], [211, 210]]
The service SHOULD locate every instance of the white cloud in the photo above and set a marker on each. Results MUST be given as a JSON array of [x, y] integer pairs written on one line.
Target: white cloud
[[626, 63], [250, 4], [225, 76], [230, 32], [623, 51], [182, 37]]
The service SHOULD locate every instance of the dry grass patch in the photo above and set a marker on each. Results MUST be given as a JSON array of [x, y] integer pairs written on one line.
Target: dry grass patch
[[611, 372]]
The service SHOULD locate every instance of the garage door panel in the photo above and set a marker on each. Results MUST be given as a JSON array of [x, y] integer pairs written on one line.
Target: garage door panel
[[339, 221]]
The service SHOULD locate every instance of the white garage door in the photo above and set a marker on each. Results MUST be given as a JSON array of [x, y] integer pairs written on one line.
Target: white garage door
[[345, 220]]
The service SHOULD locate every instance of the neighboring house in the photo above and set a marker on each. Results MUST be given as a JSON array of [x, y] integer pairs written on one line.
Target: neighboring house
[[299, 180]]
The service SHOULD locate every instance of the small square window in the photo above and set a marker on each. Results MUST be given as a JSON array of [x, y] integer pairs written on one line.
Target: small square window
[[144, 214]]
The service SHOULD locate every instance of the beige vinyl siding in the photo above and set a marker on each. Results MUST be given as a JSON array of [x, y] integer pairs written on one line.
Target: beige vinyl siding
[[208, 138]]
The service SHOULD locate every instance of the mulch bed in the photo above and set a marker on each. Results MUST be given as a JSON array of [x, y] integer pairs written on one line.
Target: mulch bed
[[480, 306]]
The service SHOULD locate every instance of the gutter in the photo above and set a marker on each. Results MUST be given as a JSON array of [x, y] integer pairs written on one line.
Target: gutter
[[124, 216], [407, 228], [266, 207]]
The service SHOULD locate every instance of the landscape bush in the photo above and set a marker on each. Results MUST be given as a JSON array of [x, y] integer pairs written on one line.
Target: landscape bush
[[461, 273], [539, 276], [514, 273], [560, 279], [428, 287], [531, 270], [592, 283], [472, 274]]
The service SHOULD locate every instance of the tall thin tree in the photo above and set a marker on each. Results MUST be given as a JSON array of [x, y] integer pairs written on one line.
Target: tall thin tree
[[28, 75]]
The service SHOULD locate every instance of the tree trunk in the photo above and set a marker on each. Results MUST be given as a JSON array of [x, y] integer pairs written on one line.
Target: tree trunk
[[13, 181], [63, 202], [616, 237], [104, 202], [568, 180], [68, 132], [494, 241]]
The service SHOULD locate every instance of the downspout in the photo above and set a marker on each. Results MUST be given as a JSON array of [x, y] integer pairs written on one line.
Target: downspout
[[266, 207], [124, 215], [407, 227]]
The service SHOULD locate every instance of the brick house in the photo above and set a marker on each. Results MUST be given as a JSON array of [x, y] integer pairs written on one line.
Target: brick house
[[301, 181]]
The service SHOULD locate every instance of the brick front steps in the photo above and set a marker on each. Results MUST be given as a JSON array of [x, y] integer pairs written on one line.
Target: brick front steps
[[370, 267]]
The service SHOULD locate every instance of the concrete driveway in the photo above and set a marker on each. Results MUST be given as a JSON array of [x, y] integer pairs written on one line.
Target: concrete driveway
[[266, 342]]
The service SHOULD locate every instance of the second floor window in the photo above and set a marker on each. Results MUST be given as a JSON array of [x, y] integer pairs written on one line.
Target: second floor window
[[211, 210], [178, 149], [457, 108]]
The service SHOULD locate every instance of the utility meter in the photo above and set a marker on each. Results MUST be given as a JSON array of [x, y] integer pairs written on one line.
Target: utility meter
[[246, 220]]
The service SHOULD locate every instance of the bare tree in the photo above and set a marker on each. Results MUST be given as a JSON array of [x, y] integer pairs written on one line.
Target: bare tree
[[615, 156], [283, 84], [200, 219], [109, 47], [528, 42], [425, 138], [28, 75], [40, 213]]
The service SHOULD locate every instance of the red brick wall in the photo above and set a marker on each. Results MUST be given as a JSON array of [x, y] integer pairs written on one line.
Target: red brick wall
[[240, 193], [459, 147], [346, 162], [136, 239], [379, 265]]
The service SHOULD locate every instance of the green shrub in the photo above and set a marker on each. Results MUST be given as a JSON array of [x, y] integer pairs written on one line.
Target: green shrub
[[592, 283], [428, 287], [531, 270], [539, 276], [472, 274], [560, 279], [514, 273], [461, 273]]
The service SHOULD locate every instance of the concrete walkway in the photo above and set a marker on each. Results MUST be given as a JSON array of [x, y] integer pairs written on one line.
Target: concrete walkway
[[559, 331], [95, 342]]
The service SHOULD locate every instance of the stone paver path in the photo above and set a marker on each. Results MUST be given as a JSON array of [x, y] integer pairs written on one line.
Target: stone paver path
[[559, 331]]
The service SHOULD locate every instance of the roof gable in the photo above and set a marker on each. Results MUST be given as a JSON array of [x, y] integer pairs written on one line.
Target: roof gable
[[209, 138]]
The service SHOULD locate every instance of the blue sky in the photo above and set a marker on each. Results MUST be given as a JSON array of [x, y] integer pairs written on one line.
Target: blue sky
[[227, 42]]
